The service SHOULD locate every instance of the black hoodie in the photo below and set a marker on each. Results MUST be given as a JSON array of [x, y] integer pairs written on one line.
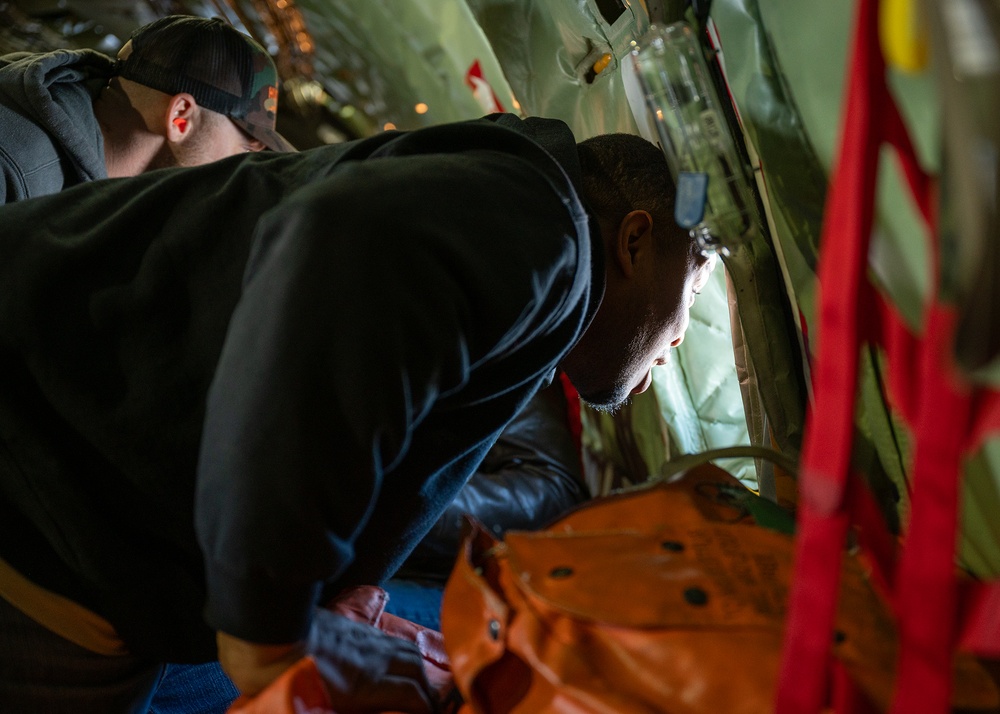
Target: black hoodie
[[237, 385]]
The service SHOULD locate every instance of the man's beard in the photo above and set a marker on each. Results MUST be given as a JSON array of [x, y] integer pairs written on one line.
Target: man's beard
[[609, 401]]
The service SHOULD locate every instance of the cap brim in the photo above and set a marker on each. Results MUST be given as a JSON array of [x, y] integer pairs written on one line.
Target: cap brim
[[268, 137], [276, 142]]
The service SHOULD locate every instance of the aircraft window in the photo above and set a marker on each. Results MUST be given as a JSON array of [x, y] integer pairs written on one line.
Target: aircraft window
[[611, 10]]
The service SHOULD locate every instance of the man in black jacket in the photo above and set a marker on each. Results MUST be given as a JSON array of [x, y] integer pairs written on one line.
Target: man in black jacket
[[529, 477], [234, 390], [184, 91]]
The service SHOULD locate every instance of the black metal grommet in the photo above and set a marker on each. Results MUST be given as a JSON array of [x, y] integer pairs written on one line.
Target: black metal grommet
[[695, 596], [562, 572], [494, 629], [672, 545]]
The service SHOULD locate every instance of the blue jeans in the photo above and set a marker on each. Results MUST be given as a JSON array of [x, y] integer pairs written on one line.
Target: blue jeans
[[416, 600], [193, 689]]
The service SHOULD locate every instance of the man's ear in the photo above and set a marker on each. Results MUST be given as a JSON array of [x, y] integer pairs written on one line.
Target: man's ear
[[635, 234], [180, 117]]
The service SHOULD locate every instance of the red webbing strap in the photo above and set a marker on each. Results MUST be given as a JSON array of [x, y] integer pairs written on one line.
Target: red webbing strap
[[803, 682], [877, 545], [926, 587], [822, 517], [980, 631], [573, 417], [924, 385], [949, 421]]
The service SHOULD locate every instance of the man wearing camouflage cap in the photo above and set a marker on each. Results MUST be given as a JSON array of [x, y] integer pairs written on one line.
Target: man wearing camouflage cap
[[183, 91]]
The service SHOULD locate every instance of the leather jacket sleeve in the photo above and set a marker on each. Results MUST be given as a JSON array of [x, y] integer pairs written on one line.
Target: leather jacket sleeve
[[529, 478]]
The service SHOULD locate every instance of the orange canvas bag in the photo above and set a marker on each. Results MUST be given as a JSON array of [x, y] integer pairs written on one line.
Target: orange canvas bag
[[667, 598]]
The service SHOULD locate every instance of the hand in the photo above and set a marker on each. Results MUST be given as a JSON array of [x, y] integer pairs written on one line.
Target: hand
[[366, 670], [253, 667]]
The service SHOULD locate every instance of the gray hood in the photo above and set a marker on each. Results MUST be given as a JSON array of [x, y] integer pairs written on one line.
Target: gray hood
[[54, 91]]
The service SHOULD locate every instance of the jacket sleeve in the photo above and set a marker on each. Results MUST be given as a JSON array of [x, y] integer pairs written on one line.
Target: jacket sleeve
[[530, 477], [368, 296]]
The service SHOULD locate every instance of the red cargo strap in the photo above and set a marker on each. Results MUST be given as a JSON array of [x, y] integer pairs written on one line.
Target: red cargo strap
[[804, 685], [926, 580], [980, 631], [573, 417], [947, 418]]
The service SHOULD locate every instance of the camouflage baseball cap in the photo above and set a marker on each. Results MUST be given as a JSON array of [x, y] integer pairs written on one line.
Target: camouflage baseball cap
[[223, 69]]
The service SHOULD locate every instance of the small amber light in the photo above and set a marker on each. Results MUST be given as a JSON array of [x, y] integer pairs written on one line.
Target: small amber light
[[601, 64]]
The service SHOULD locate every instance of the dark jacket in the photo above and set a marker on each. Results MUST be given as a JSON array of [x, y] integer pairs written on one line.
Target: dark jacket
[[49, 137], [530, 477], [235, 388]]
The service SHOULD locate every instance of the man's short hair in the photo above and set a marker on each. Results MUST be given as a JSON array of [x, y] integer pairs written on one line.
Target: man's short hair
[[623, 173], [222, 68]]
